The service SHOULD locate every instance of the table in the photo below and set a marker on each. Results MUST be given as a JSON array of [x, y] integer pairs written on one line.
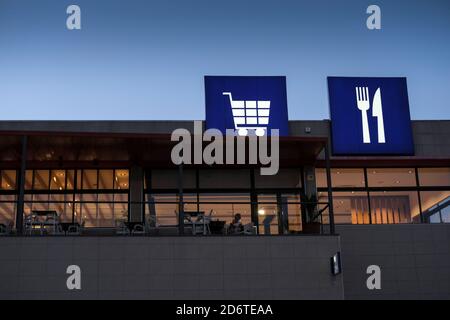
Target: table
[[131, 225], [66, 225], [36, 214], [201, 220]]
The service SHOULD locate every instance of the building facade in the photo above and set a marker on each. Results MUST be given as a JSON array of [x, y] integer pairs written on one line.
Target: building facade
[[67, 187]]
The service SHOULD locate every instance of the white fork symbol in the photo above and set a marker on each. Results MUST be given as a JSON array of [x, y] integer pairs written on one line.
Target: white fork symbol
[[362, 98]]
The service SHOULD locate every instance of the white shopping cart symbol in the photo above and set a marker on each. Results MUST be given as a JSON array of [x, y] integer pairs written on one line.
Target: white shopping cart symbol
[[250, 115]]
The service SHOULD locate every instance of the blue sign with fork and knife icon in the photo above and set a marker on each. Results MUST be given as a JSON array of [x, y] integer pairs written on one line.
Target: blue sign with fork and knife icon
[[370, 116]]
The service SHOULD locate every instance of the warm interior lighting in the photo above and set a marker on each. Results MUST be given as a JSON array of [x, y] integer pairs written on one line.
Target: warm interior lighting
[[261, 212], [54, 179]]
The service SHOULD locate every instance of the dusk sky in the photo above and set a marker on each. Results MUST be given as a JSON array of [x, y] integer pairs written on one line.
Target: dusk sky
[[145, 60]]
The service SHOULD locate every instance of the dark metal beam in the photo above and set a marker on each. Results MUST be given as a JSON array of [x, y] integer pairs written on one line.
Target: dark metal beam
[[21, 180], [181, 204], [329, 185]]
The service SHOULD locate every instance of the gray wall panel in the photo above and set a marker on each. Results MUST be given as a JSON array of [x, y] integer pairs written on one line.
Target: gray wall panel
[[170, 268], [414, 260]]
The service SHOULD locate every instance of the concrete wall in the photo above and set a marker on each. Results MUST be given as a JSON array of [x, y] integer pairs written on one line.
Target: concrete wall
[[414, 261], [171, 268]]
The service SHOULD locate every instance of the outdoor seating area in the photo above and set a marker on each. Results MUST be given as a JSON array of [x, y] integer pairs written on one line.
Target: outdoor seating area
[[164, 218], [47, 222], [196, 223]]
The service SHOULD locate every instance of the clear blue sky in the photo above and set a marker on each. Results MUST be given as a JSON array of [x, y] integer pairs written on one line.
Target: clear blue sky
[[144, 60]]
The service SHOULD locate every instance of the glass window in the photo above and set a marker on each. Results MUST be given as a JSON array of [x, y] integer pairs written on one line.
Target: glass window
[[70, 179], [291, 213], [121, 179], [268, 214], [395, 207], [101, 210], [321, 178], [28, 179], [7, 209], [88, 209], [106, 180], [223, 207], [396, 177], [89, 179], [434, 176], [41, 179], [161, 210], [341, 178], [168, 179], [435, 206], [61, 203], [223, 178], [8, 180], [105, 217], [58, 180], [120, 206], [350, 207], [285, 178]]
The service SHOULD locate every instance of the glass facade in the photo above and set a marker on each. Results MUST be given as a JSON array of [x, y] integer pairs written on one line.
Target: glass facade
[[264, 205], [388, 195], [91, 197], [99, 198]]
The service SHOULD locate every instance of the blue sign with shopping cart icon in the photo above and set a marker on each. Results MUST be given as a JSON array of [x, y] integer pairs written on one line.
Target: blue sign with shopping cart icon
[[247, 105], [370, 116]]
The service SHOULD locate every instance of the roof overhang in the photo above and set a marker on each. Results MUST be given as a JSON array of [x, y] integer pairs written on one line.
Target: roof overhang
[[82, 149]]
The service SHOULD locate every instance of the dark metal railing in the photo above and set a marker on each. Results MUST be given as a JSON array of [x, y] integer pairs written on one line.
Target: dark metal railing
[[86, 220]]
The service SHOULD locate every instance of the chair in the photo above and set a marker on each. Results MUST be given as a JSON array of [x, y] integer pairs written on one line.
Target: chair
[[6, 229], [29, 221], [75, 229], [53, 226], [203, 222], [121, 228], [249, 229], [138, 229]]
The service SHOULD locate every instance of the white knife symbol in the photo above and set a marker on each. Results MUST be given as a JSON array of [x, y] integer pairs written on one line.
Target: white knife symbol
[[377, 111]]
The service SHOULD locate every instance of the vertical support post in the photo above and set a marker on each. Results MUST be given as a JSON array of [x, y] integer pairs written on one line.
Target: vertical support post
[[366, 184], [75, 189], [181, 201], [254, 201], [329, 185], [136, 187], [21, 197], [422, 218]]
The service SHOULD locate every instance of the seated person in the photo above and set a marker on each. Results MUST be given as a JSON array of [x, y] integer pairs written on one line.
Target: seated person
[[236, 225]]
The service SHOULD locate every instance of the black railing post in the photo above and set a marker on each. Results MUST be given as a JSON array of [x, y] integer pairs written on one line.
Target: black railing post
[[180, 201], [329, 185], [21, 197]]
